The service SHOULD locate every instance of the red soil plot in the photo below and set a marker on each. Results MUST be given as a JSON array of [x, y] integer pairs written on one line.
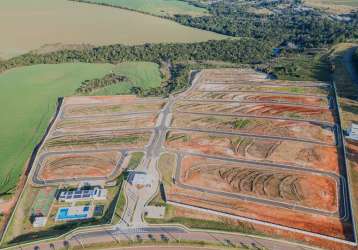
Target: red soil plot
[[105, 123], [79, 165], [266, 110], [255, 126], [292, 187], [312, 222], [264, 88], [307, 155], [275, 98]]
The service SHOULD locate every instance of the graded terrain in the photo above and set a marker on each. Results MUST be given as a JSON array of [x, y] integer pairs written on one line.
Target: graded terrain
[[34, 23], [241, 141], [200, 158]]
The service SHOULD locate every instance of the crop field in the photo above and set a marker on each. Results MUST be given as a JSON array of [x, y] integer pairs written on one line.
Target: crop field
[[156, 7], [258, 109], [80, 165], [28, 98], [30, 94], [271, 156], [97, 142], [139, 74], [31, 25], [256, 126]]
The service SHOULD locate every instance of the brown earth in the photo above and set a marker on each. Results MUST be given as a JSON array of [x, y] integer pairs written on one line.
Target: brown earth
[[275, 98], [110, 109], [81, 165], [270, 110], [105, 123], [331, 226], [319, 91], [283, 128], [307, 155], [102, 140], [293, 187]]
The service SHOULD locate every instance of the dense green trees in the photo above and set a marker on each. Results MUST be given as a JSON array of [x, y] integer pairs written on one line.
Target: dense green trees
[[90, 85], [304, 27], [237, 51]]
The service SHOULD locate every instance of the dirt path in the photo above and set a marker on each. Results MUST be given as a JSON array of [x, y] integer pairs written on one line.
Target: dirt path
[[348, 63]]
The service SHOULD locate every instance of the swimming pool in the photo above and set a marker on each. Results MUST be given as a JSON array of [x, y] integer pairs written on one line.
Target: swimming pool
[[73, 213]]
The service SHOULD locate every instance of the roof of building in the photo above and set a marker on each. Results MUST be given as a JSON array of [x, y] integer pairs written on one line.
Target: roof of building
[[83, 194]]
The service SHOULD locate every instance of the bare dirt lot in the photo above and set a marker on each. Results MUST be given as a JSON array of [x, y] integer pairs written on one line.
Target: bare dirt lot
[[306, 155], [302, 189], [80, 165], [280, 128], [260, 149], [91, 135], [257, 110], [275, 98], [109, 105], [106, 123], [316, 91]]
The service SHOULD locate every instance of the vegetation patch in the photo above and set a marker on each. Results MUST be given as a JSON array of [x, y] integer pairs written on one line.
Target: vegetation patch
[[154, 7], [29, 94], [136, 159], [89, 86]]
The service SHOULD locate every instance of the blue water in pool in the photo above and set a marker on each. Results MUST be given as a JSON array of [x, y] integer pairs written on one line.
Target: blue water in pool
[[63, 214]]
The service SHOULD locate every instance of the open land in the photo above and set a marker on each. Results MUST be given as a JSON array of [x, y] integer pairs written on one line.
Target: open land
[[155, 7], [91, 150], [31, 93], [31, 25], [242, 141], [69, 157], [271, 171], [335, 6]]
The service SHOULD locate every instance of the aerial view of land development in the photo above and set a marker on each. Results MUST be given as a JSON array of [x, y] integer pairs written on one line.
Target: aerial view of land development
[[179, 124]]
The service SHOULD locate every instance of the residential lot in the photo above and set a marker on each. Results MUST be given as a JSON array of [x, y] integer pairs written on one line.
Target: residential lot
[[259, 149], [77, 174]]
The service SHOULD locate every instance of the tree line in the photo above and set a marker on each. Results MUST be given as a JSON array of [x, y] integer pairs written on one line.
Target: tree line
[[246, 51], [89, 86]]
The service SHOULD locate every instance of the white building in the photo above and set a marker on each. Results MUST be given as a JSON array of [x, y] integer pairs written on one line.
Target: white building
[[139, 178], [83, 195], [39, 221], [353, 132]]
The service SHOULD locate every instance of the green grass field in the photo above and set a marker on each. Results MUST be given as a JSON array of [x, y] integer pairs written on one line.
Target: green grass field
[[140, 74], [156, 7], [29, 24], [28, 98]]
